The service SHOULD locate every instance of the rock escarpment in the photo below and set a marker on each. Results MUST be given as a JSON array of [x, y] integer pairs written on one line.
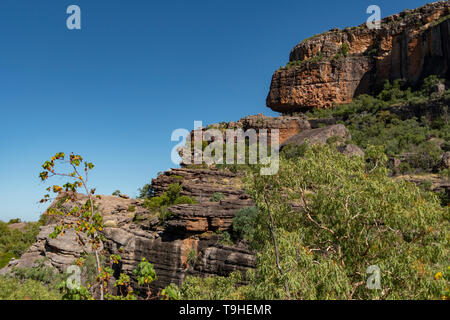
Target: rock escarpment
[[193, 228], [336, 66], [133, 230], [409, 46]]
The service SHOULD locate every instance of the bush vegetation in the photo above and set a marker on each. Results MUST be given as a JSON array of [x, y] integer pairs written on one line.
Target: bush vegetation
[[160, 204], [14, 242], [217, 196], [371, 121], [323, 220]]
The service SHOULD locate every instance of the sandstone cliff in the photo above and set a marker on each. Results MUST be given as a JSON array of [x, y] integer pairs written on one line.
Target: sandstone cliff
[[334, 67], [409, 46], [131, 228]]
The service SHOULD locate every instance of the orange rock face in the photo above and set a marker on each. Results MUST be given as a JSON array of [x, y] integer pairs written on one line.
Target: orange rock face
[[336, 66]]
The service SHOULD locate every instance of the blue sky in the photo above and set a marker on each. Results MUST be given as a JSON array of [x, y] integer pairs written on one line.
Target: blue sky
[[116, 89]]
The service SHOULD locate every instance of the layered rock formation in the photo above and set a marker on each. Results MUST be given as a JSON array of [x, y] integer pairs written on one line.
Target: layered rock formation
[[137, 233], [334, 67], [409, 46]]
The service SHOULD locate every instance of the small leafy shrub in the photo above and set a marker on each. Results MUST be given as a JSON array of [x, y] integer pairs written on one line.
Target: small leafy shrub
[[76, 293], [345, 49], [40, 272], [217, 197], [145, 274], [192, 258], [293, 151], [171, 292], [245, 224], [170, 197], [146, 192], [225, 239]]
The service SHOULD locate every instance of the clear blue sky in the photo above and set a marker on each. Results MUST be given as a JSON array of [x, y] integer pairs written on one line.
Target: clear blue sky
[[115, 90]]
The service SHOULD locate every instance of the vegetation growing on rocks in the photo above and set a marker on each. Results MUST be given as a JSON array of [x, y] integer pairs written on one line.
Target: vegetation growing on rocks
[[160, 204], [374, 121], [323, 220]]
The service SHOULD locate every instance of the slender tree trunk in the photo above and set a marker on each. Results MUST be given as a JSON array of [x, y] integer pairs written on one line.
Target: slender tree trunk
[[98, 272]]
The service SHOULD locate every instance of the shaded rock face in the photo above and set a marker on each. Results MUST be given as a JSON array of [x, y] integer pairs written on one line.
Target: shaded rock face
[[433, 109], [409, 46], [319, 136], [135, 231], [351, 150]]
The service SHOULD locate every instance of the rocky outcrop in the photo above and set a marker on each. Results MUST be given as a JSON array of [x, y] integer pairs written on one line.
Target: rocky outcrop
[[287, 126], [134, 232], [351, 150], [336, 66], [319, 136], [200, 184]]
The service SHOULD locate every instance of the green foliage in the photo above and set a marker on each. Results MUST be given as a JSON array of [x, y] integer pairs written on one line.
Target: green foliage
[[77, 293], [373, 52], [184, 200], [344, 49], [371, 121], [15, 289], [294, 151], [146, 192], [171, 292], [125, 290], [116, 193], [444, 173], [131, 208], [13, 243], [425, 156], [323, 220], [314, 59], [217, 196], [333, 217], [145, 273], [246, 224], [210, 288], [225, 239], [170, 197], [5, 257], [40, 272], [192, 257]]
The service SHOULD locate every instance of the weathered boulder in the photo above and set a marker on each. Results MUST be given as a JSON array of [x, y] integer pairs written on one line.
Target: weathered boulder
[[351, 150], [318, 136]]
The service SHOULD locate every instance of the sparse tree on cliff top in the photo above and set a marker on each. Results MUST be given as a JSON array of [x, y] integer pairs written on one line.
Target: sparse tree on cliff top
[[83, 219]]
